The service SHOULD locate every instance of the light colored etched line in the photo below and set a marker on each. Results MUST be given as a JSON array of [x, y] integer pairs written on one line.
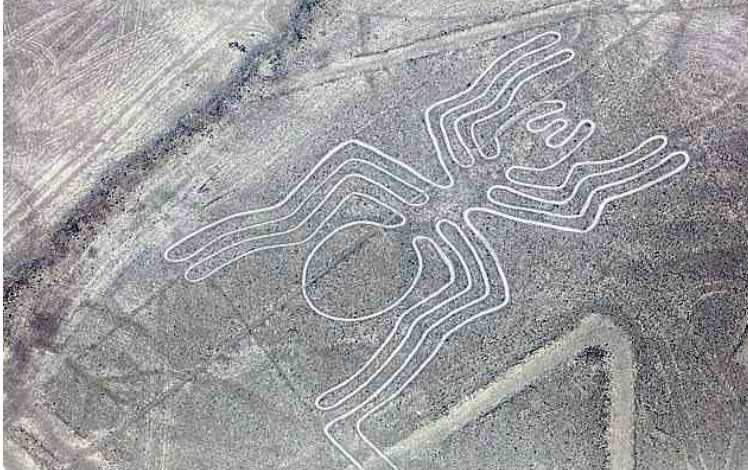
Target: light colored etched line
[[392, 165], [561, 202], [583, 131], [234, 245], [561, 124], [417, 320], [427, 114], [396, 164], [428, 47], [539, 118], [405, 295], [569, 56], [508, 211], [618, 164], [558, 107], [452, 276], [301, 242], [487, 285], [301, 186], [593, 331]]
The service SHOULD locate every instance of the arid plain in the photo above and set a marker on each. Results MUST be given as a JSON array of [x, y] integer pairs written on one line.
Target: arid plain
[[388, 282]]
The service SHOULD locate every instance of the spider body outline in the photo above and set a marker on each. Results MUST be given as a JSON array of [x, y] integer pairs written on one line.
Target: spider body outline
[[405, 192]]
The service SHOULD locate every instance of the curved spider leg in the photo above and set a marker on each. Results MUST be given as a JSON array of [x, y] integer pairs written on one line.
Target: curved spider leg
[[329, 180], [349, 157], [500, 70], [474, 293], [506, 101], [494, 297], [317, 222], [459, 284], [466, 284], [460, 278], [339, 394], [643, 167]]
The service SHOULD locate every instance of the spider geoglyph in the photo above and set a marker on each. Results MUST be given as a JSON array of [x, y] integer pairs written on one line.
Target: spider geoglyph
[[555, 189]]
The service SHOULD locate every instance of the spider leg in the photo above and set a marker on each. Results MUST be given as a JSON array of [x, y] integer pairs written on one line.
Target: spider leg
[[460, 282], [507, 101], [580, 209], [498, 81], [341, 393], [493, 295], [479, 297], [351, 169]]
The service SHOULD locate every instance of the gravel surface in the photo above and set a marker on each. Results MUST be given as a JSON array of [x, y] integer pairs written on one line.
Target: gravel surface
[[614, 340]]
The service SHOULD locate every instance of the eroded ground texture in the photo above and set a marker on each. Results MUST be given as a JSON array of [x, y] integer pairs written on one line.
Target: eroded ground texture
[[588, 312]]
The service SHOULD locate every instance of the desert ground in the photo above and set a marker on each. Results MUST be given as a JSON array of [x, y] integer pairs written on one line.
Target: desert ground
[[282, 234]]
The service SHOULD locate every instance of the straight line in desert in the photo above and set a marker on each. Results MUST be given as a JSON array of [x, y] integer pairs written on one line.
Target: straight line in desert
[[593, 331], [458, 40]]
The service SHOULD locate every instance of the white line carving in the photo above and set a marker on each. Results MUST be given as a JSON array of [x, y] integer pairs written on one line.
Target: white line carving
[[592, 331], [569, 195]]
